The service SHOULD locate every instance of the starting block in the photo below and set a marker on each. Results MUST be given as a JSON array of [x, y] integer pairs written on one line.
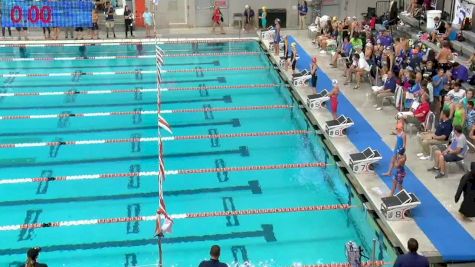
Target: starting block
[[315, 101], [363, 161], [300, 79], [336, 127], [395, 207]]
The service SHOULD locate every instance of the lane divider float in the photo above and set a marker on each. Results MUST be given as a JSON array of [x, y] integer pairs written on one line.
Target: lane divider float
[[142, 112], [177, 216], [153, 139], [169, 172]]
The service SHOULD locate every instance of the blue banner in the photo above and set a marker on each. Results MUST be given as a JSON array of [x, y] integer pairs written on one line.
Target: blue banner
[[47, 13]]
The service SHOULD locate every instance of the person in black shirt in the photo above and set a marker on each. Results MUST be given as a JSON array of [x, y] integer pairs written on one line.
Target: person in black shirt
[[129, 20], [215, 252], [439, 29], [31, 261]]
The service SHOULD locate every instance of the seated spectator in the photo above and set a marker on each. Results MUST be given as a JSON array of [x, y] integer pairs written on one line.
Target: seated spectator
[[455, 152], [471, 62], [360, 69], [351, 68], [457, 93], [345, 51], [439, 29], [449, 35], [429, 71], [356, 42], [440, 136], [459, 72], [459, 115], [449, 105], [414, 92], [470, 115], [387, 90], [417, 116], [469, 96], [411, 259], [445, 56], [386, 39]]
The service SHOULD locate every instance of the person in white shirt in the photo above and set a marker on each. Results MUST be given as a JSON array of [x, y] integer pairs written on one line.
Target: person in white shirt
[[457, 93], [361, 70]]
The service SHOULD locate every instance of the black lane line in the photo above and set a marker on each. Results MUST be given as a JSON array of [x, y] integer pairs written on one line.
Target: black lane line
[[266, 232], [232, 122], [225, 99], [214, 63], [109, 84], [243, 151], [253, 186]]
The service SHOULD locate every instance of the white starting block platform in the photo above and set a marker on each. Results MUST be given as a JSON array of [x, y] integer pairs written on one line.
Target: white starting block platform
[[395, 207], [361, 162], [336, 128], [316, 101], [300, 79]]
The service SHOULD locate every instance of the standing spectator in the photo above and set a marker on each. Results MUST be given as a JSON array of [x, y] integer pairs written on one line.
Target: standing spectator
[[440, 136], [110, 19], [95, 24], [218, 19], [32, 260], [129, 20], [411, 259], [263, 18], [68, 31], [467, 187], [22, 31], [303, 9], [439, 81], [455, 152], [47, 30], [459, 72], [248, 18], [314, 73], [79, 33], [215, 252], [3, 28], [148, 20]]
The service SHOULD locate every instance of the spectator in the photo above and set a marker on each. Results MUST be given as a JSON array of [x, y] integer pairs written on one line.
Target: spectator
[[470, 115], [109, 19], [248, 18], [455, 152], [459, 115], [263, 18], [471, 61], [444, 56], [449, 35], [303, 9], [22, 31], [148, 21], [467, 187], [128, 20], [218, 21], [276, 37], [400, 173], [439, 81], [459, 72], [418, 115], [215, 252], [32, 260], [411, 259], [47, 30], [399, 148], [345, 51], [361, 70], [387, 90], [95, 24], [439, 29], [5, 28], [429, 71], [440, 136], [68, 31], [468, 97], [386, 39]]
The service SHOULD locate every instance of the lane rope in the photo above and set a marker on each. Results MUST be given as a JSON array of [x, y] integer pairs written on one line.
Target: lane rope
[[363, 264], [153, 139], [138, 90], [217, 54], [136, 72], [177, 216], [169, 172], [142, 112], [125, 42]]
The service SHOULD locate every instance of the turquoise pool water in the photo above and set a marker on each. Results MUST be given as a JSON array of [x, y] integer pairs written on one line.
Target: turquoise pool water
[[262, 240]]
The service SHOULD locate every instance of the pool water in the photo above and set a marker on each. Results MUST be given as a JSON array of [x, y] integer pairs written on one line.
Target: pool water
[[262, 240]]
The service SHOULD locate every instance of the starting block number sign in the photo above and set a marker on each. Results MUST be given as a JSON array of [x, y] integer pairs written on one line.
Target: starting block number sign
[[47, 13], [397, 214]]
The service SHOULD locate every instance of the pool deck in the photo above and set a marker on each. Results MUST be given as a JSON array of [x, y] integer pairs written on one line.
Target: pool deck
[[382, 122], [443, 189]]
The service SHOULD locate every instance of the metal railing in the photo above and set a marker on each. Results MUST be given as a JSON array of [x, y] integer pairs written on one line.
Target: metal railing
[[382, 7]]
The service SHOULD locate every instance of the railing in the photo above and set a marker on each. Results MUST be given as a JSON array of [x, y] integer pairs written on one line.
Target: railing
[[381, 7]]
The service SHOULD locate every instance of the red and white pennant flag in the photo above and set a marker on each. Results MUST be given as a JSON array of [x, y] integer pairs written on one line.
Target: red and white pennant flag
[[162, 123], [163, 225], [162, 164]]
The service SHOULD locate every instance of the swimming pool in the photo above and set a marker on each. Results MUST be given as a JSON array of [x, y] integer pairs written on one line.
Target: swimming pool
[[264, 240]]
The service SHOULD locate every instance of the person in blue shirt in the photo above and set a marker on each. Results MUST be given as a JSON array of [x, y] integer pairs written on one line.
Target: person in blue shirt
[[411, 259], [389, 88], [386, 39], [439, 81], [459, 72], [344, 51], [440, 136], [303, 9], [215, 252]]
